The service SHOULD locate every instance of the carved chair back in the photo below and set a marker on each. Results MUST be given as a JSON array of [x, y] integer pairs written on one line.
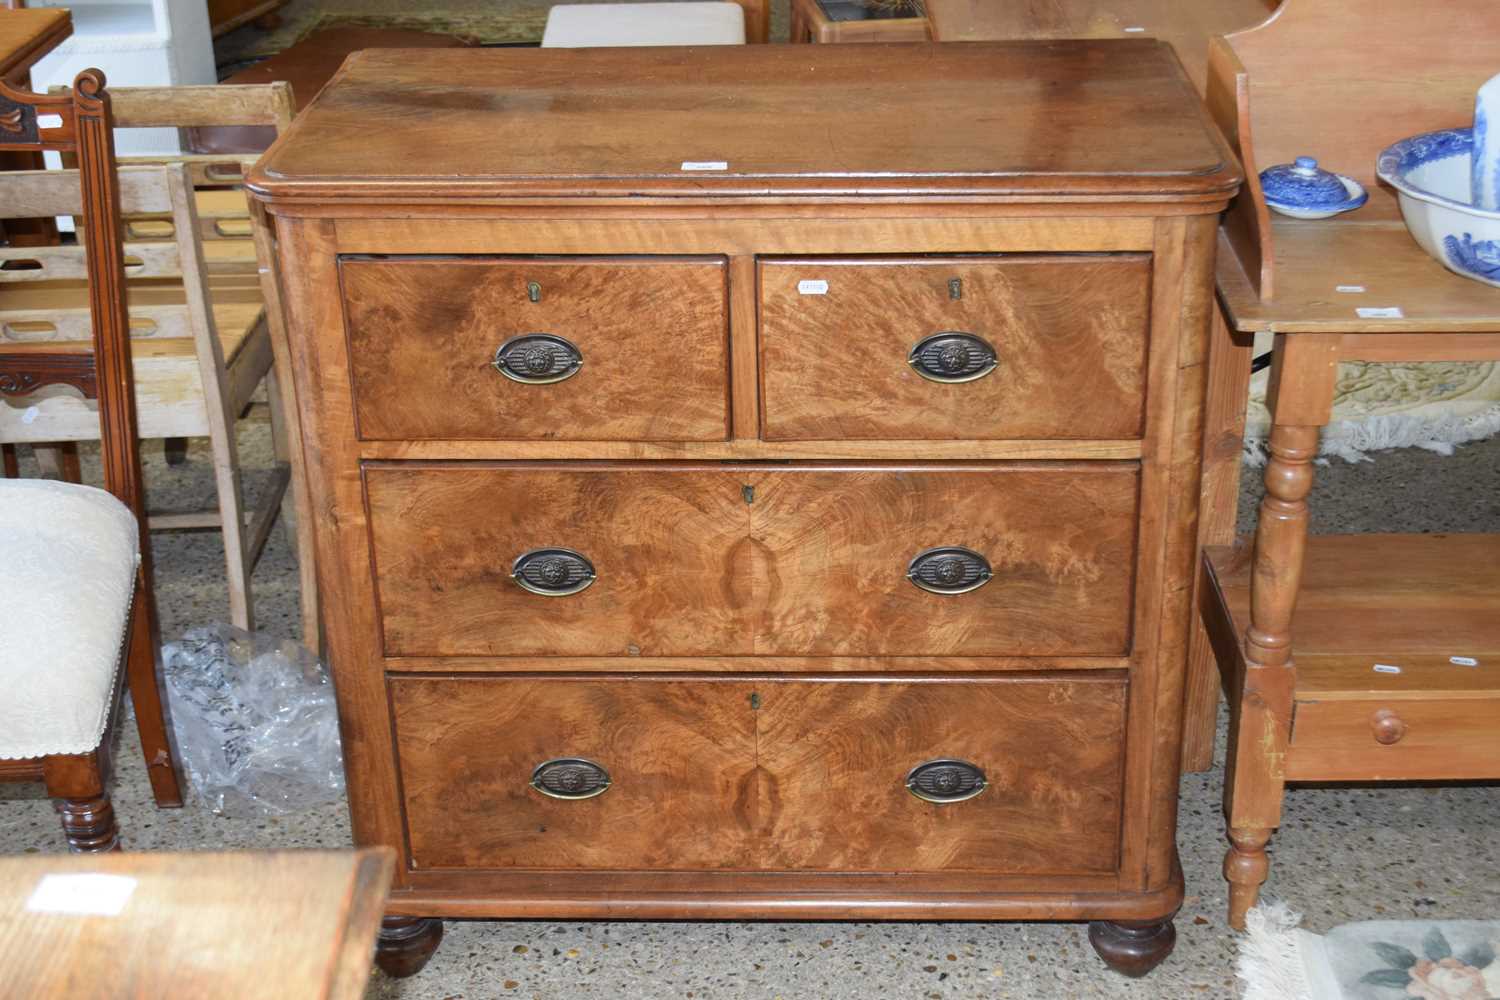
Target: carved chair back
[[79, 122]]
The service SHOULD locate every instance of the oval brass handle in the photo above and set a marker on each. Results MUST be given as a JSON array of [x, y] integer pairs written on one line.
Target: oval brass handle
[[570, 778], [538, 359], [552, 572], [950, 569], [952, 356], [1389, 729], [946, 780]]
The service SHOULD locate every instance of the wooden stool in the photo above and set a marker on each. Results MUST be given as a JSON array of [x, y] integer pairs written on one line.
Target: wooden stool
[[856, 21]]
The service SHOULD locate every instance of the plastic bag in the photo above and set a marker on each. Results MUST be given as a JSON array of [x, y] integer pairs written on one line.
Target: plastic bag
[[255, 720]]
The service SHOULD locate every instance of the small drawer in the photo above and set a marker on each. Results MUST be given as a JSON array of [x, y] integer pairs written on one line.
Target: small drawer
[[559, 774], [1017, 775], [627, 559], [1395, 737], [580, 349], [969, 348]]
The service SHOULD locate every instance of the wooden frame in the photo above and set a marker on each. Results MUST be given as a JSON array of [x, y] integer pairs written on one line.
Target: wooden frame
[[85, 128]]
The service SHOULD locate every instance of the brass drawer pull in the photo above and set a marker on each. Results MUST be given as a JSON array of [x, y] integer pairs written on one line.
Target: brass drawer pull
[[552, 572], [1388, 726], [570, 778], [945, 780], [538, 359], [952, 356], [950, 569]]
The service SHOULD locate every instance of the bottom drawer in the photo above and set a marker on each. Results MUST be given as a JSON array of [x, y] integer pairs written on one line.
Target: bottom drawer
[[1394, 738], [1009, 775]]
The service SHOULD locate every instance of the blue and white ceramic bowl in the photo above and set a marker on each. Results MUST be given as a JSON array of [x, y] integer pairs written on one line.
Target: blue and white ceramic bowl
[[1303, 190], [1432, 176]]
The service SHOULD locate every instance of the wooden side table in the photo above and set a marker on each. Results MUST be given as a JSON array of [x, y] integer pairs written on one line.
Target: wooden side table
[[26, 36], [1345, 658], [261, 925], [856, 21]]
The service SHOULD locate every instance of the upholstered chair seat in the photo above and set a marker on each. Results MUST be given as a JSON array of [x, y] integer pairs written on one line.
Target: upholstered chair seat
[[591, 25], [68, 558]]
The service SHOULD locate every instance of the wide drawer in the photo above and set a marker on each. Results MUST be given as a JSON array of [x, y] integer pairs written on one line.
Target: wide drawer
[[1395, 737], [1017, 775], [977, 348], [580, 349], [806, 560]]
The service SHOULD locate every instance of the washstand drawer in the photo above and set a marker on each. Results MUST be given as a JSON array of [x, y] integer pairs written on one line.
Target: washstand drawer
[[579, 349], [557, 774], [975, 347], [1395, 737], [1014, 775], [626, 559]]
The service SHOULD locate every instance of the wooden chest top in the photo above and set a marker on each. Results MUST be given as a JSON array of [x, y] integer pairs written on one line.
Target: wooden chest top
[[1024, 121]]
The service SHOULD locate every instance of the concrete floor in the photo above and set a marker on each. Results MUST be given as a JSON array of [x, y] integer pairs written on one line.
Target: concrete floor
[[1342, 854]]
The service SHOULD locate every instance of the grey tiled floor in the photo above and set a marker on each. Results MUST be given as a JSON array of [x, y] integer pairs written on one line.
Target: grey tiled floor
[[1343, 853]]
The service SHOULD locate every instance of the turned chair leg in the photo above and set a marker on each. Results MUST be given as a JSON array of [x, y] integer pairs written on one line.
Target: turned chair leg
[[89, 824]]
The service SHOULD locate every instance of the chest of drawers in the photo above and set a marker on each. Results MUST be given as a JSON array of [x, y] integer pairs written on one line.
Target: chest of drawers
[[757, 482]]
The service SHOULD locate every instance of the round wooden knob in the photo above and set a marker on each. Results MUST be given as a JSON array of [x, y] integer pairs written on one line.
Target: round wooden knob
[[1388, 727]]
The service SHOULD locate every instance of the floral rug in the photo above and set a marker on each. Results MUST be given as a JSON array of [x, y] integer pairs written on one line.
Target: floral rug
[[1432, 405], [1371, 960]]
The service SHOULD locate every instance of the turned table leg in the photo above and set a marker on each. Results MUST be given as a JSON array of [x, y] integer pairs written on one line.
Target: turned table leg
[[406, 943], [1301, 400], [89, 824], [1133, 948]]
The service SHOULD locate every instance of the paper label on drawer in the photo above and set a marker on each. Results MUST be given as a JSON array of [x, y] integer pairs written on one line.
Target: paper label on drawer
[[811, 287], [29, 415], [1380, 312], [1350, 289], [705, 165], [86, 895], [1463, 661], [1386, 668]]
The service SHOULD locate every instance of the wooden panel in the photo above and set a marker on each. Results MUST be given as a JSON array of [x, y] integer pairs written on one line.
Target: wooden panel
[[1187, 26], [751, 450], [680, 755], [653, 336], [613, 122], [815, 566], [668, 546], [258, 926], [1386, 596], [1069, 332], [834, 757], [834, 545], [1442, 739]]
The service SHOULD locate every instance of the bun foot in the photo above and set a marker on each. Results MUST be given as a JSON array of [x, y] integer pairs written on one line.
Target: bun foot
[[1132, 949], [406, 943]]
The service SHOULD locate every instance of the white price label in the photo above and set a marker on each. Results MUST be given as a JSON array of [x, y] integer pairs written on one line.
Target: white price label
[[812, 287], [704, 165], [1381, 312], [85, 895], [1386, 668], [1350, 289], [1463, 661]]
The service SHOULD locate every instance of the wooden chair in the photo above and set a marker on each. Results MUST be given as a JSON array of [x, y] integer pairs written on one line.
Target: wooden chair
[[205, 340], [75, 562], [239, 247]]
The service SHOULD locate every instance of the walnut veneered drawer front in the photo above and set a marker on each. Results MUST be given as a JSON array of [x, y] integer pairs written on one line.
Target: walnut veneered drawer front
[[580, 349], [986, 347], [677, 757], [1019, 775], [572, 559]]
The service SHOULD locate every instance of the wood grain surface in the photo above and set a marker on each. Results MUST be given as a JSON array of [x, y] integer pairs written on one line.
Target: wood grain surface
[[815, 564], [783, 119], [653, 335], [1069, 332], [27, 35], [252, 926], [834, 756], [680, 755], [763, 773]]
